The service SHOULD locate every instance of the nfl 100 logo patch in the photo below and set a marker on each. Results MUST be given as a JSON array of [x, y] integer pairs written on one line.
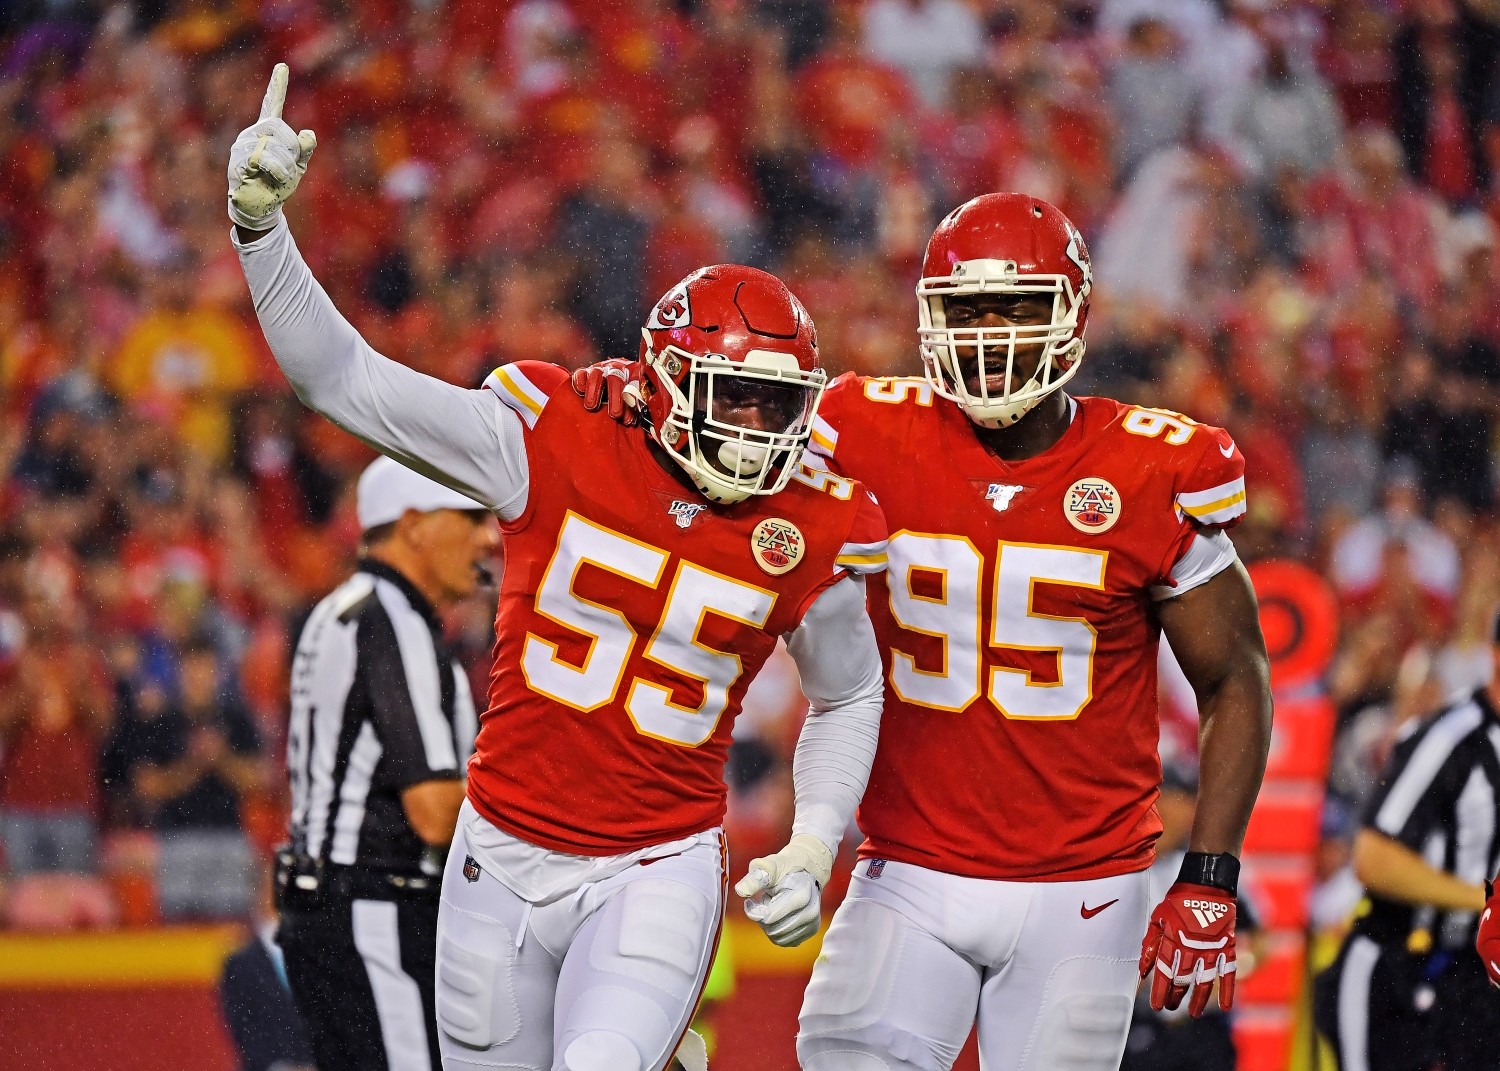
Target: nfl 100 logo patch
[[684, 512], [1092, 505], [999, 495]]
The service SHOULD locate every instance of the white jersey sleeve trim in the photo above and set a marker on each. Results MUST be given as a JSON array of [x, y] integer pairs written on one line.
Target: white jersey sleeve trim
[[1209, 554], [838, 660], [824, 439], [862, 559], [517, 392], [1217, 505]]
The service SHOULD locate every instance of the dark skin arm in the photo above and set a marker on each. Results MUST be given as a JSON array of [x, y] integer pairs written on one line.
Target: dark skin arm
[[432, 808], [1215, 633]]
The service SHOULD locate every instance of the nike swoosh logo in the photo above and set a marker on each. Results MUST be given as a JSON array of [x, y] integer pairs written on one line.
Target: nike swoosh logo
[[1229, 452], [1089, 912]]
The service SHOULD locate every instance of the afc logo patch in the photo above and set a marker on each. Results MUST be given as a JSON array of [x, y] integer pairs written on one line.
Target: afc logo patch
[[471, 869], [877, 868], [684, 512], [776, 545], [1092, 505]]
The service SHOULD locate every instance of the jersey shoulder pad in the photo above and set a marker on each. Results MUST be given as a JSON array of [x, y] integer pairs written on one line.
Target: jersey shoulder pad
[[852, 401], [1208, 468], [848, 512], [525, 387], [864, 548]]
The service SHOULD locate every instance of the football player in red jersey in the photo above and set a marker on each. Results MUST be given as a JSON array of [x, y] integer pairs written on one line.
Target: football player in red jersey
[[1040, 545], [648, 576]]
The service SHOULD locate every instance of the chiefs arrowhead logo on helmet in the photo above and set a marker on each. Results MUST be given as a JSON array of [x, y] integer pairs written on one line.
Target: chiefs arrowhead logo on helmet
[[1003, 243], [674, 310], [731, 365]]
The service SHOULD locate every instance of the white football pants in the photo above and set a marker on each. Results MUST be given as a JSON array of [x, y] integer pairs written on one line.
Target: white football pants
[[604, 979], [914, 956]]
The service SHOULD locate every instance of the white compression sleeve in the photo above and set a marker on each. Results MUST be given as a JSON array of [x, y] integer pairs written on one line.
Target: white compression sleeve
[[463, 438], [839, 662]]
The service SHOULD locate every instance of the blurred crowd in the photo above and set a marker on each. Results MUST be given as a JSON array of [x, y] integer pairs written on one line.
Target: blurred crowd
[[1292, 207]]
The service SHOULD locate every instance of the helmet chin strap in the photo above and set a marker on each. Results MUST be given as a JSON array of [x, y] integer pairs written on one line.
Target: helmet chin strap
[[995, 415]]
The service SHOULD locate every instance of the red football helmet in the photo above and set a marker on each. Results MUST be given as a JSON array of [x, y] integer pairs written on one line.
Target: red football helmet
[[727, 345], [1004, 243]]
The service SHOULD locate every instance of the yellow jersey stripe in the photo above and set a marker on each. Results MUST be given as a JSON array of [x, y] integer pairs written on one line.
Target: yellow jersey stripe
[[1200, 512], [504, 376]]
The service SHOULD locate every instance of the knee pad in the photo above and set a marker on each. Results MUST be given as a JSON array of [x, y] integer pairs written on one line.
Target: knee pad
[[1085, 1032], [601, 1050]]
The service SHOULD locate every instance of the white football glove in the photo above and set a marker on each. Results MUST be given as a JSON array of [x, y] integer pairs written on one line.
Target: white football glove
[[691, 1055], [267, 161], [794, 878]]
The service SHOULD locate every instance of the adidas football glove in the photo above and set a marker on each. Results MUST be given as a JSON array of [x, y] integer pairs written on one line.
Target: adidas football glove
[[784, 891], [1488, 941], [1189, 945], [267, 161], [614, 382]]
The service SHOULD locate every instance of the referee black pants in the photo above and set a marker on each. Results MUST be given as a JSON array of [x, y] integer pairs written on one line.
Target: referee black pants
[[362, 975], [1384, 1009]]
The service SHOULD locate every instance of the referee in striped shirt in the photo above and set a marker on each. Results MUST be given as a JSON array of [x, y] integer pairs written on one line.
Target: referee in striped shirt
[[1408, 991], [382, 724]]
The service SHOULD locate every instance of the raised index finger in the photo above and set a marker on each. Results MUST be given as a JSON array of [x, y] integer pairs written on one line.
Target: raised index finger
[[270, 107]]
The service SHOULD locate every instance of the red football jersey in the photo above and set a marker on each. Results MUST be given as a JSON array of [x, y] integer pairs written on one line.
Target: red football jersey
[[632, 618], [1019, 739]]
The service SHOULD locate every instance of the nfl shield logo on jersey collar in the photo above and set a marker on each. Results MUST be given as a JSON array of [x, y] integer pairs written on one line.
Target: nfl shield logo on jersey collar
[[777, 545], [1092, 505], [683, 512]]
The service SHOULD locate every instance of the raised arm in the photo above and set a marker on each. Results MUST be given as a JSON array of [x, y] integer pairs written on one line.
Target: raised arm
[[839, 662], [463, 438]]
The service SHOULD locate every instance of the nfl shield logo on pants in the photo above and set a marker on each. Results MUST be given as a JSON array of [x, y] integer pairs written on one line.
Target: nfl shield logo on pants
[[471, 869]]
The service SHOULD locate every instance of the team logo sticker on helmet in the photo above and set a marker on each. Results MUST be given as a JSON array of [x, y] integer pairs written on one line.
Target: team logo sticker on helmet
[[673, 310], [1092, 505], [777, 545]]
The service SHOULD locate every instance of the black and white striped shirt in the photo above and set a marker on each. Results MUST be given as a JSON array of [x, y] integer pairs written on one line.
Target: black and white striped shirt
[[378, 705], [1439, 795]]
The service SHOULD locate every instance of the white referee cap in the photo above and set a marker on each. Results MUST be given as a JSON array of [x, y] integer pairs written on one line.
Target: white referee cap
[[387, 489]]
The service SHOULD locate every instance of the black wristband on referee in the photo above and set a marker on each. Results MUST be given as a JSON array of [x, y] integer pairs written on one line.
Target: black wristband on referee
[[1218, 871]]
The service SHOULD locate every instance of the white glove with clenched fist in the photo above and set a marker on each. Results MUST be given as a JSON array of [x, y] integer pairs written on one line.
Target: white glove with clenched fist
[[267, 161], [792, 881]]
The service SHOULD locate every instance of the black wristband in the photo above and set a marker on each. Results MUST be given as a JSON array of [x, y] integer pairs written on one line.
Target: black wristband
[[1217, 871]]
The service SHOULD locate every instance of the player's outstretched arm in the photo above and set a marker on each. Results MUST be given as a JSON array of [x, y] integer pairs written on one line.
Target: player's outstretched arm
[[463, 438], [839, 662]]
